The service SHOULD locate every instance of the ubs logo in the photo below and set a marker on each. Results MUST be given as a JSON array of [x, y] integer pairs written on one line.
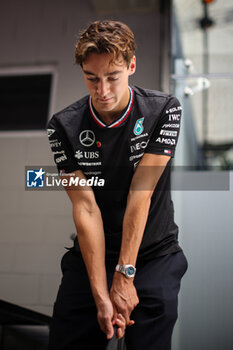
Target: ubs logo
[[87, 138]]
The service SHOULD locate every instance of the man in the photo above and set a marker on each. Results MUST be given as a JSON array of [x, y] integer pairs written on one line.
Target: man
[[126, 265]]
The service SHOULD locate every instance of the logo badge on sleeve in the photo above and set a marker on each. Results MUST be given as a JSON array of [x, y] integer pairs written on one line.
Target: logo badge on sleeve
[[50, 132], [138, 128]]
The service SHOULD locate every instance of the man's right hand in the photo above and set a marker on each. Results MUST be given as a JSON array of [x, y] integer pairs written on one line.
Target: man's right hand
[[107, 319]]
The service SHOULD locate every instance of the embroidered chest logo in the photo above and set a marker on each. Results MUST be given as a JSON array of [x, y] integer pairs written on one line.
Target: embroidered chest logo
[[87, 138], [138, 128]]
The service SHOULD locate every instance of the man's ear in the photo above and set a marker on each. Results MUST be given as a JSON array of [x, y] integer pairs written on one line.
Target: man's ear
[[132, 65]]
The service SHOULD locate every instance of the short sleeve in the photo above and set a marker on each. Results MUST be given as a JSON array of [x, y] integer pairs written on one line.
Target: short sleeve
[[165, 135], [61, 148]]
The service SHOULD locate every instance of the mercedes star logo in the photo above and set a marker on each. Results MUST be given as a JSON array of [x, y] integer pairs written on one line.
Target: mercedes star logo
[[87, 138]]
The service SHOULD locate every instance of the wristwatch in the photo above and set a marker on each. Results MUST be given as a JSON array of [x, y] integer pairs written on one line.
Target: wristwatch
[[128, 270]]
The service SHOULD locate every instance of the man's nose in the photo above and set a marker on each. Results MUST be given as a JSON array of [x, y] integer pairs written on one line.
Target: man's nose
[[102, 88]]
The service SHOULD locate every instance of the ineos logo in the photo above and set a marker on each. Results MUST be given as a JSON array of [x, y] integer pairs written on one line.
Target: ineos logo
[[87, 138]]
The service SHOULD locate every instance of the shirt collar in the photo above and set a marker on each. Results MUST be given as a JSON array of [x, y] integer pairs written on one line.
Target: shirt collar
[[117, 122]]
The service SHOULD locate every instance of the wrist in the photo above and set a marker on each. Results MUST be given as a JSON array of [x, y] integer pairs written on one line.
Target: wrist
[[100, 295], [120, 280], [127, 258], [103, 304]]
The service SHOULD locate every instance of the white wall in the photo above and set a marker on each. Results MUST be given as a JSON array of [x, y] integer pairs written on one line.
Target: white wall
[[35, 226], [206, 310]]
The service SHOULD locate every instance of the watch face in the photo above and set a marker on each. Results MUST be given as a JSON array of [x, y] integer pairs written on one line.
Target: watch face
[[130, 271]]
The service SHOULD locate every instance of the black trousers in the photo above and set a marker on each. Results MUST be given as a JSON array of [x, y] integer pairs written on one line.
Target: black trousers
[[75, 327]]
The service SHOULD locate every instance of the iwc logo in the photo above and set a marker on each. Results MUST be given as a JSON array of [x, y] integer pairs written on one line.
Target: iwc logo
[[87, 138], [138, 128]]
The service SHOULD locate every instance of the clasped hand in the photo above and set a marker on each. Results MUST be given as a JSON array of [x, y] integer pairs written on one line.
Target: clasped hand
[[117, 309], [123, 296]]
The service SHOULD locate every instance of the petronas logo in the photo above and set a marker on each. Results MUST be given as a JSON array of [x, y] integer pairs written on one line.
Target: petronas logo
[[138, 128]]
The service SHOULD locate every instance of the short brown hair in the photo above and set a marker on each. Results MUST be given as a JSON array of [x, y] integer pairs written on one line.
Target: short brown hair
[[111, 37]]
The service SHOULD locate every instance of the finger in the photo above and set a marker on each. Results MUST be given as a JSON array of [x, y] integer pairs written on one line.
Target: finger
[[107, 328], [121, 318], [124, 312], [120, 322], [115, 314], [109, 332], [126, 317], [131, 323], [120, 333]]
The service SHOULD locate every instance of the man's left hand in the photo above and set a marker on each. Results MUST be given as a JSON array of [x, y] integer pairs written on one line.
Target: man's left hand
[[124, 297]]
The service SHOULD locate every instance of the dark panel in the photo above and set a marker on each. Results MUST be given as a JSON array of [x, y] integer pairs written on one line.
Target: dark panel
[[24, 101]]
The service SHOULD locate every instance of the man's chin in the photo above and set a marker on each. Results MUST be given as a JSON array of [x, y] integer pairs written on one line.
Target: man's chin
[[105, 107]]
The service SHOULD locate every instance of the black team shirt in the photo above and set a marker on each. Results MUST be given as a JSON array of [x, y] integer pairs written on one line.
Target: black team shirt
[[79, 139]]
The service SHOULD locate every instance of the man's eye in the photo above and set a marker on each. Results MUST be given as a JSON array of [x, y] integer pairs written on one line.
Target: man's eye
[[93, 80], [112, 78]]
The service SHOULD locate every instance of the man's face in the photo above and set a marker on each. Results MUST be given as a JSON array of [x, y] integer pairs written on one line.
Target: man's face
[[107, 82]]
